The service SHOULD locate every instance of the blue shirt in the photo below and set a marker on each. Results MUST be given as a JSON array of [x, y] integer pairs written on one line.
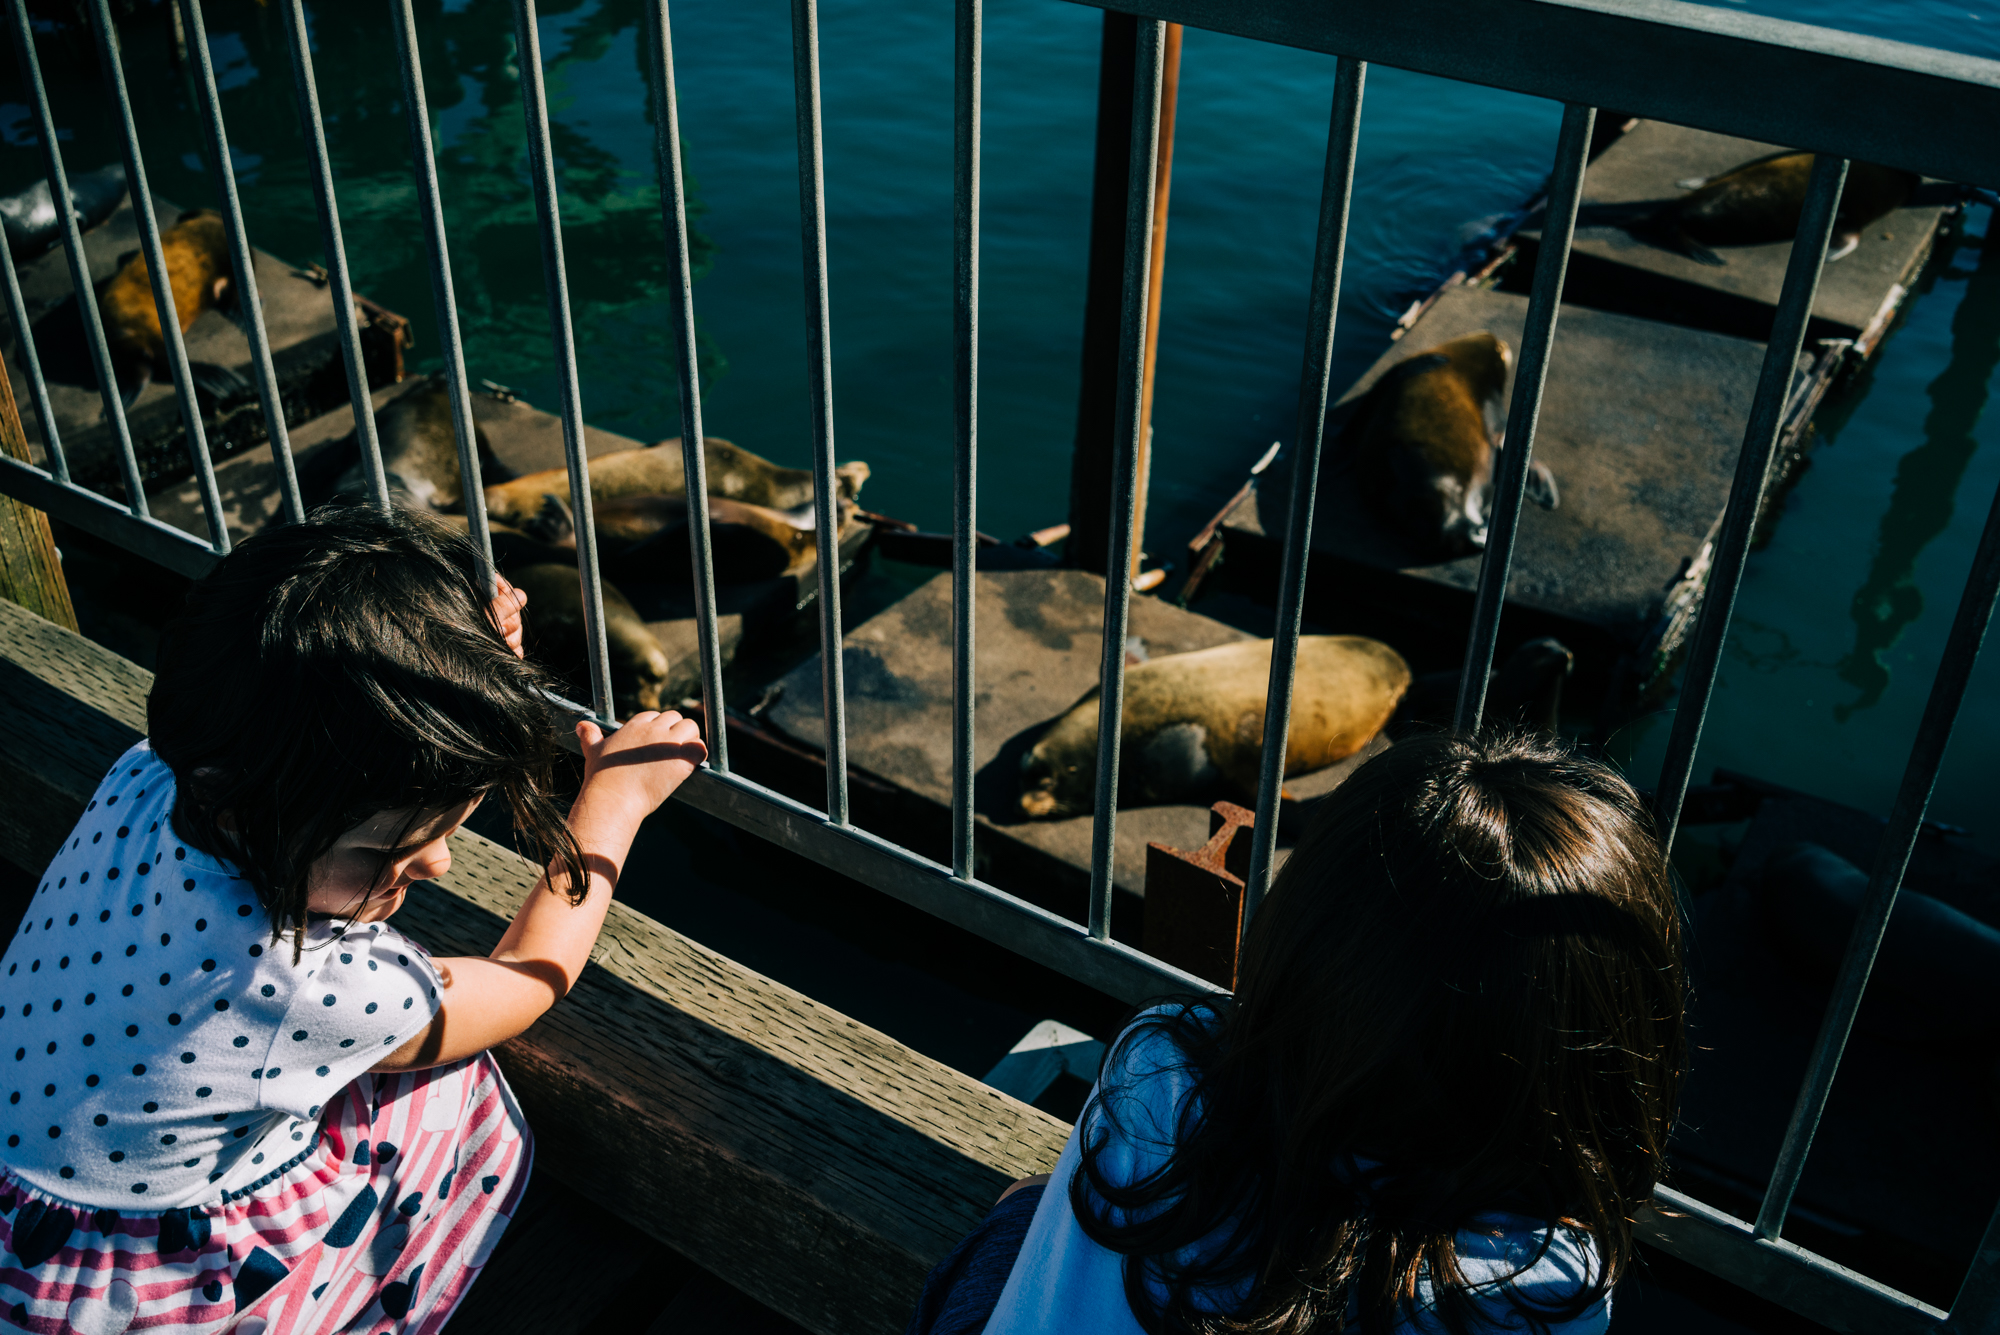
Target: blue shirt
[[1063, 1281]]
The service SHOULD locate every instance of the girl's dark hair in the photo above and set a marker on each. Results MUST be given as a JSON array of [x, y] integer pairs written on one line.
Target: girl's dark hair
[[1463, 995], [337, 668]]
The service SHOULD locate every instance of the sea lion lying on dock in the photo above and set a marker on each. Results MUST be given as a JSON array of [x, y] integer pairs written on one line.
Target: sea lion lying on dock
[[1760, 202], [1194, 723], [29, 216], [554, 626], [734, 473], [645, 538], [552, 621], [1422, 444], [201, 278], [419, 451]]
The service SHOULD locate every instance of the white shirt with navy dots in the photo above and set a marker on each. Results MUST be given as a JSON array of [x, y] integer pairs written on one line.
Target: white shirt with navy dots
[[157, 1049]]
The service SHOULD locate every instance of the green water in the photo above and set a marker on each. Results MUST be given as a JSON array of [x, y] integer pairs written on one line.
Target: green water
[[1842, 615]]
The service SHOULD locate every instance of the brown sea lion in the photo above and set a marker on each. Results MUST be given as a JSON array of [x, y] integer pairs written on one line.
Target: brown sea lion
[[734, 473], [201, 277], [1194, 723], [419, 451], [554, 626], [1760, 202], [645, 537], [1423, 439]]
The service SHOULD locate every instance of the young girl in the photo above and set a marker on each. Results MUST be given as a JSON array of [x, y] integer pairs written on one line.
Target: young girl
[[237, 1094], [1441, 1090]]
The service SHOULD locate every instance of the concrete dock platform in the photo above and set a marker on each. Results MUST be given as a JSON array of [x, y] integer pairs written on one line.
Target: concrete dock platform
[[1038, 642], [1611, 269], [298, 316], [1641, 423]]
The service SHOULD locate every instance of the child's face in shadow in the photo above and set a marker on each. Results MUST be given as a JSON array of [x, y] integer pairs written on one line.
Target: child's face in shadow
[[370, 868]]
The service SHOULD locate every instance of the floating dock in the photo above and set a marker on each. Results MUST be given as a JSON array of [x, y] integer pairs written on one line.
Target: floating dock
[[305, 352], [1611, 269], [1641, 423], [1040, 639]]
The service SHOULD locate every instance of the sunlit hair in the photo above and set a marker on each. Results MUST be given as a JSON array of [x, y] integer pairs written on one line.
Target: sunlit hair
[[1467, 975], [330, 670]]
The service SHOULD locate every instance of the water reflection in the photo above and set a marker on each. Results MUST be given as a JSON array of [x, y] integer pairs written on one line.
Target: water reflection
[[1927, 478]]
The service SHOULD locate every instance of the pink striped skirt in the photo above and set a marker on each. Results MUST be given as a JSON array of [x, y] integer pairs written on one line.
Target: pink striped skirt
[[382, 1227]]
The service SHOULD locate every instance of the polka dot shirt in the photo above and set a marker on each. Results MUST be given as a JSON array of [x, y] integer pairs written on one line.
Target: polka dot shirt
[[156, 1048]]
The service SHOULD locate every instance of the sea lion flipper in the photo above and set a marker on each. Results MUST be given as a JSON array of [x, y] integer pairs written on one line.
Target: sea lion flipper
[[217, 382], [1542, 486], [133, 378]]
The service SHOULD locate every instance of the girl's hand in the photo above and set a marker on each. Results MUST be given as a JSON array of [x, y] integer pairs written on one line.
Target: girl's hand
[[639, 766], [505, 609]]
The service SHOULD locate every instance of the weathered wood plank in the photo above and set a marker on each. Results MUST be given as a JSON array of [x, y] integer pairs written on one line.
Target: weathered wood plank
[[809, 1160]]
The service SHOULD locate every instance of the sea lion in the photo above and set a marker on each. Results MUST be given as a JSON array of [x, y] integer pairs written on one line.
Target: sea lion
[[1194, 722], [1423, 439], [419, 451], [29, 216], [201, 278], [734, 473], [1760, 202], [554, 633], [1934, 975], [645, 538]]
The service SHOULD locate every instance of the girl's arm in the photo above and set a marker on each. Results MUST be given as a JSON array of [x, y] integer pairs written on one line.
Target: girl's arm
[[487, 1001]]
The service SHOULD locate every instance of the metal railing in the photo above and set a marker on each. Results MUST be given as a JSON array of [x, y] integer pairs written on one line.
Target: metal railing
[[1762, 79]]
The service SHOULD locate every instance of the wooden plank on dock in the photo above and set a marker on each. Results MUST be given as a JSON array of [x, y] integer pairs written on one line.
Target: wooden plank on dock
[[1614, 270], [1640, 423], [298, 317], [814, 1163]]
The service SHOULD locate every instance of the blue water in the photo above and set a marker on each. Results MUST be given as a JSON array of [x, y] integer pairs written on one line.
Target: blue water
[[1842, 615]]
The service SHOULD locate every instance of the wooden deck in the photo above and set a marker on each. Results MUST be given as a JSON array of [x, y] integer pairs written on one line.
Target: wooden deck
[[811, 1163]]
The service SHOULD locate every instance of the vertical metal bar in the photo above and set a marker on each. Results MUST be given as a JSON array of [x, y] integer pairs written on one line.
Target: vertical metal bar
[[38, 386], [1746, 491], [694, 460], [1151, 51], [79, 263], [1524, 411], [1976, 1309], [1329, 255], [542, 171], [156, 270], [1892, 858], [965, 455], [819, 364], [424, 167], [249, 305], [299, 42]]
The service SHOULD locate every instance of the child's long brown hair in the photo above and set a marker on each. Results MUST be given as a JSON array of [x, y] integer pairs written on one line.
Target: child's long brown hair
[[337, 668], [1468, 975]]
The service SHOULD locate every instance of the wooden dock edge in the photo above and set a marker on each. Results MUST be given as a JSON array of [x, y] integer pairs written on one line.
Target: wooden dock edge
[[815, 1164]]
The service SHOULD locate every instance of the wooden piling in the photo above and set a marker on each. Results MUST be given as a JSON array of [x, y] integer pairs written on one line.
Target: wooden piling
[[30, 569], [1089, 542]]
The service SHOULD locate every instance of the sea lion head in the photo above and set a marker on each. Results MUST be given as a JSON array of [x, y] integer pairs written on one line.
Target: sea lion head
[[1058, 772], [1482, 360]]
